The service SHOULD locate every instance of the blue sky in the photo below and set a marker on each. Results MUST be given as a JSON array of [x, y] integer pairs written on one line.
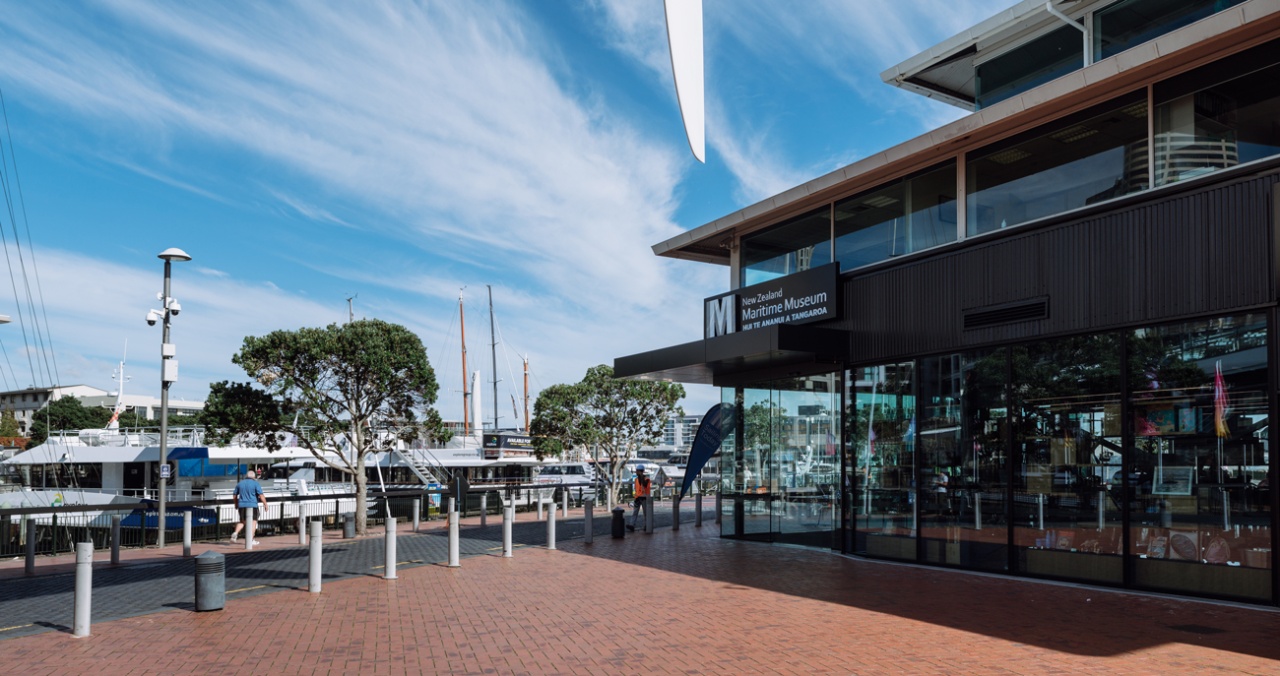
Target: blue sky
[[303, 153]]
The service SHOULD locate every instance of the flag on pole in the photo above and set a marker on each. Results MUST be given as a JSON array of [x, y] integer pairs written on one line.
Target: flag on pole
[[1221, 404]]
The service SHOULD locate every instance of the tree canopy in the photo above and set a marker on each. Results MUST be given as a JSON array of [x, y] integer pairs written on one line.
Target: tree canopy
[[613, 417], [66, 413], [342, 392]]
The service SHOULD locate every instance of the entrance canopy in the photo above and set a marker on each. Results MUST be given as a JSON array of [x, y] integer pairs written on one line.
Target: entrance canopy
[[777, 351]]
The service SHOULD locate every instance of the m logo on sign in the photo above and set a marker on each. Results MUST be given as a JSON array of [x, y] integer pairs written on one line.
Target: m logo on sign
[[722, 315]]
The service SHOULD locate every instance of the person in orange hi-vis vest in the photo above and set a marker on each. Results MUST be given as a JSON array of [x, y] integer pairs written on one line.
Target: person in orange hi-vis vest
[[642, 490]]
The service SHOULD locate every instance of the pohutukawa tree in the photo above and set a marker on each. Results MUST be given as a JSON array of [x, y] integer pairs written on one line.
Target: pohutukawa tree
[[343, 392], [615, 417]]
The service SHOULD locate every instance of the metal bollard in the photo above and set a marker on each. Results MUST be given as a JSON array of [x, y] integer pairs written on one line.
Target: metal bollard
[[211, 581], [348, 526], [508, 515], [675, 512], [648, 514], [84, 588], [389, 572], [551, 528], [417, 510], [588, 505], [619, 523], [697, 509], [314, 568], [564, 502], [453, 535], [250, 529], [186, 534], [115, 539], [484, 510], [539, 501], [31, 547], [302, 525]]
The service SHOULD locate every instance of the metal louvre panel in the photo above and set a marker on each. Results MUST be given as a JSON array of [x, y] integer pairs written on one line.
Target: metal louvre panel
[[1192, 254]]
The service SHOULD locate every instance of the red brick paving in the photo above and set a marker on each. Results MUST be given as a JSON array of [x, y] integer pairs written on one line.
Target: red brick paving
[[681, 602]]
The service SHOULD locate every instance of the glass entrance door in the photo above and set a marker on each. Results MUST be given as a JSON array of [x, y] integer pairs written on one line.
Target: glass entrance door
[[781, 482]]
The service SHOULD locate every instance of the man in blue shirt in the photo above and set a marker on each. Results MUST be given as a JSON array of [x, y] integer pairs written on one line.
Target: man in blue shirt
[[248, 495]]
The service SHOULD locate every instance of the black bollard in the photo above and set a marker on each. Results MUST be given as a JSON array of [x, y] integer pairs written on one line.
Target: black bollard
[[619, 523]]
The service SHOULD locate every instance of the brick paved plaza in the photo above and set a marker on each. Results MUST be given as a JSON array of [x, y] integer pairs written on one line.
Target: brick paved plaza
[[683, 602]]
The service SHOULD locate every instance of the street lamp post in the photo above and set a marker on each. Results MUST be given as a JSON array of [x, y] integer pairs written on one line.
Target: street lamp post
[[168, 374]]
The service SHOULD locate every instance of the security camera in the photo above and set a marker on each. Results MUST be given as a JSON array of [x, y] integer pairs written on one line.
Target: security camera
[[152, 318], [174, 307]]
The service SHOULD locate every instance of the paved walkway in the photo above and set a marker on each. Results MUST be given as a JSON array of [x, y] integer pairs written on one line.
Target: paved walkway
[[682, 602]]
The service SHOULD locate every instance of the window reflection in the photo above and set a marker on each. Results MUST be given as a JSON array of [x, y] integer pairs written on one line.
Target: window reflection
[[1067, 501], [1031, 65], [1218, 127], [1079, 161], [794, 246], [881, 474], [963, 485], [1198, 482], [900, 218], [1131, 22]]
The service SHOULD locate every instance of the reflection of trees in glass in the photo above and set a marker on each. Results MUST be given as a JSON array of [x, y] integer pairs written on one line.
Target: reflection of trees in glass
[[763, 432]]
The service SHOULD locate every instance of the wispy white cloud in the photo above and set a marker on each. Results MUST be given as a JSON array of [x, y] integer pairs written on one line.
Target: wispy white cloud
[[446, 122]]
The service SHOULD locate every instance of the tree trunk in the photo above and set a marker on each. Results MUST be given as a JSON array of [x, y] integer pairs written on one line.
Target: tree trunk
[[362, 500]]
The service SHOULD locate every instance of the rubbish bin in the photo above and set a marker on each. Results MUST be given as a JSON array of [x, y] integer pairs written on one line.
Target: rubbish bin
[[348, 525], [211, 581], [619, 523]]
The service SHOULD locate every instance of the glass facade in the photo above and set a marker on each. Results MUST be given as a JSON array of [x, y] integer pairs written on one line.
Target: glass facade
[[1070, 458], [1132, 22], [900, 218], [1197, 488], [1078, 161], [1201, 122], [1218, 126], [794, 246], [780, 465], [1030, 65], [880, 443], [1136, 458]]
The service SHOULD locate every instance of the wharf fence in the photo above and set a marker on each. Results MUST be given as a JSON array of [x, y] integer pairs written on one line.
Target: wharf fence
[[58, 529]]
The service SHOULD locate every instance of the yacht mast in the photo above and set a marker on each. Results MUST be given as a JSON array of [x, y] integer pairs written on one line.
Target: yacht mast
[[462, 320], [493, 347]]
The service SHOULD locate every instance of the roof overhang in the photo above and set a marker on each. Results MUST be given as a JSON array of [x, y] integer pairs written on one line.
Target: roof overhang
[[945, 71], [778, 351]]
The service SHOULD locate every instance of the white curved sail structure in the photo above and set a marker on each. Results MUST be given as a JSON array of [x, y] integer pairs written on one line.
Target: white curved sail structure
[[684, 35]]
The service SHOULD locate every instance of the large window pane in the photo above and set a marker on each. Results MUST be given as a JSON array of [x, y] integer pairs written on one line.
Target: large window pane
[[794, 246], [1069, 437], [806, 489], [1132, 22], [781, 476], [1085, 159], [1197, 481], [963, 459], [881, 433], [1218, 127], [902, 217], [1031, 65]]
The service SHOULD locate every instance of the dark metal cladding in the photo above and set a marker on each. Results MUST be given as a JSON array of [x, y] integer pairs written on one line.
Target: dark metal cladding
[[1161, 257]]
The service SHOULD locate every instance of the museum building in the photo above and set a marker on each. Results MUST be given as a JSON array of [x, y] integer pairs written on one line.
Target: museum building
[[1040, 340]]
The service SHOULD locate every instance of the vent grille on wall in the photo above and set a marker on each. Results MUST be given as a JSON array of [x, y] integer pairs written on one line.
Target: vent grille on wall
[[1008, 313]]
